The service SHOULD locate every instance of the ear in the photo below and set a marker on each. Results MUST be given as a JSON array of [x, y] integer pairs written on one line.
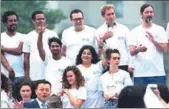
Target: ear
[[33, 21]]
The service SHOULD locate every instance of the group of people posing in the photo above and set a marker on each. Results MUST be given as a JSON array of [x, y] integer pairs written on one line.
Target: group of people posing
[[86, 67]]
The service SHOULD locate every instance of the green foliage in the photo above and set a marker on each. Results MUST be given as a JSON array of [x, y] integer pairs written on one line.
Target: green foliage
[[24, 10]]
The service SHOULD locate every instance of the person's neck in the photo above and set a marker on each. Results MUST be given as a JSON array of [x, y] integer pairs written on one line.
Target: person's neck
[[10, 33], [111, 24], [146, 25], [74, 86], [80, 29], [41, 100], [86, 65], [57, 57], [113, 69]]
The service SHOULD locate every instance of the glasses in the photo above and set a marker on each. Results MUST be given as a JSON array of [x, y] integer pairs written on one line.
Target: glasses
[[77, 19], [116, 58]]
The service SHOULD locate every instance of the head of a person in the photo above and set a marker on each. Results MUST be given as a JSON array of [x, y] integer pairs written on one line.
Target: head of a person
[[132, 97], [87, 55], [113, 57], [164, 92], [77, 19], [10, 20], [38, 18], [108, 13], [147, 13], [72, 76], [55, 45], [25, 91], [43, 90], [4, 83]]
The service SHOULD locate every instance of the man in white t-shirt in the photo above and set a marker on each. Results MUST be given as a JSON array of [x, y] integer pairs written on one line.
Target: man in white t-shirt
[[114, 35], [54, 65], [11, 50], [147, 43], [32, 61], [78, 35]]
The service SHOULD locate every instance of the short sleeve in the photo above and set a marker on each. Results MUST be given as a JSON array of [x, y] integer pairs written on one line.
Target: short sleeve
[[26, 45], [162, 37], [82, 93]]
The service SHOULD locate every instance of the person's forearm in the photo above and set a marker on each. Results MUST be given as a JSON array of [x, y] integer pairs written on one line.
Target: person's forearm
[[40, 47], [73, 101], [5, 62], [13, 51], [26, 64], [161, 47]]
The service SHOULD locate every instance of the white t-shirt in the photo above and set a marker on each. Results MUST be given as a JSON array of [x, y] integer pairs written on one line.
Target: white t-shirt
[[119, 40], [4, 100], [80, 93], [54, 72], [167, 30], [75, 40], [92, 83], [15, 61], [149, 63], [37, 68], [114, 83]]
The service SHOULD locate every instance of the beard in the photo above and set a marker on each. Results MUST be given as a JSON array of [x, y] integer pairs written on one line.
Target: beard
[[148, 20], [12, 29]]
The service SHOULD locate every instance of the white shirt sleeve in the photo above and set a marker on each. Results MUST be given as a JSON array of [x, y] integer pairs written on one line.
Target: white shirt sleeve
[[82, 93], [26, 45], [132, 38], [96, 41], [162, 37], [100, 68]]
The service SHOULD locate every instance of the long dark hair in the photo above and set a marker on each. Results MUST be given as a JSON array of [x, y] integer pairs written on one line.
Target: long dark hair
[[93, 52], [79, 77], [4, 82]]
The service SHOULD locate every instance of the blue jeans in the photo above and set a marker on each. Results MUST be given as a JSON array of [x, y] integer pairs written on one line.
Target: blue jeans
[[150, 80]]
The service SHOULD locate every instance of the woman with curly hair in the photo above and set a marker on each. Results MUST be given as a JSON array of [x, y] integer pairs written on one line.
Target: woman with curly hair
[[91, 67], [74, 93]]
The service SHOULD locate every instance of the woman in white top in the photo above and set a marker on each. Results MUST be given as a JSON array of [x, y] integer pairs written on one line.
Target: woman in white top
[[4, 91], [114, 80], [91, 68], [74, 93]]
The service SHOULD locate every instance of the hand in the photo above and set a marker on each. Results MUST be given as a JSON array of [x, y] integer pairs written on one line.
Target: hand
[[130, 70], [106, 97], [41, 29], [150, 37], [107, 35], [11, 73], [66, 91], [60, 93], [17, 104], [141, 48], [100, 43]]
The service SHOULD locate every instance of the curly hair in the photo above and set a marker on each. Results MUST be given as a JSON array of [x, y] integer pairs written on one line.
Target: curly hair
[[79, 78], [93, 52]]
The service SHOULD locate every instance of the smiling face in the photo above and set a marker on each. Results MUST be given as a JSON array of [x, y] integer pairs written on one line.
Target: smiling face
[[148, 14], [25, 93], [55, 48], [86, 56], [11, 23], [77, 21], [109, 16], [71, 77]]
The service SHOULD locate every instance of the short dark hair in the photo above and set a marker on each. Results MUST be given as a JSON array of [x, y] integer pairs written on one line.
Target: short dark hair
[[93, 52], [75, 11], [4, 82], [145, 6], [109, 51], [8, 13], [54, 39], [34, 14], [42, 82]]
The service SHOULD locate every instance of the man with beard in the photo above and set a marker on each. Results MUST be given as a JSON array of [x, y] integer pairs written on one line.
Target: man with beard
[[147, 43], [54, 64], [11, 49], [32, 61]]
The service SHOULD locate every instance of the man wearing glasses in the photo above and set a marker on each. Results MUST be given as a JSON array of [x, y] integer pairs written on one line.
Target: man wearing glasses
[[77, 36]]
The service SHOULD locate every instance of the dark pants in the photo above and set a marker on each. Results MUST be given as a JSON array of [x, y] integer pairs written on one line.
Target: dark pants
[[150, 80]]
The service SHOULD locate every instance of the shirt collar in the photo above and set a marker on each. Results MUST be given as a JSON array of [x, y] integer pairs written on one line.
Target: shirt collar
[[114, 24], [40, 103]]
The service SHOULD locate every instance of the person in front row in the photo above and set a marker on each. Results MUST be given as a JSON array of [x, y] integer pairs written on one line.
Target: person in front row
[[114, 80]]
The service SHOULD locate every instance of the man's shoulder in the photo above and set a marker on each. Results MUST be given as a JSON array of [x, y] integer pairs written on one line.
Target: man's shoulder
[[156, 26]]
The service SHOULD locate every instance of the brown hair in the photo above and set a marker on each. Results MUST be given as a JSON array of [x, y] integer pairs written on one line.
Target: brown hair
[[79, 77], [106, 7]]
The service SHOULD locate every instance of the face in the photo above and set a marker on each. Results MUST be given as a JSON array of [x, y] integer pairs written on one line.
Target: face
[[39, 20], [147, 14], [55, 48], [115, 59], [43, 92], [11, 23], [77, 21], [71, 78], [25, 93], [86, 56], [109, 16]]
